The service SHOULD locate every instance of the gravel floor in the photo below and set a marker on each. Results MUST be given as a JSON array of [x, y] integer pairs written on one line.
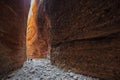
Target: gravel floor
[[41, 69]]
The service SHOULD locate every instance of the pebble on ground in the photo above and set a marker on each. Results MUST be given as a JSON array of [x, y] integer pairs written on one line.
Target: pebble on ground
[[41, 69]]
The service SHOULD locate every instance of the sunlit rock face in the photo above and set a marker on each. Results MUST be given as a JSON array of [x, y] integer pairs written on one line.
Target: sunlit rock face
[[12, 35], [85, 36], [37, 31]]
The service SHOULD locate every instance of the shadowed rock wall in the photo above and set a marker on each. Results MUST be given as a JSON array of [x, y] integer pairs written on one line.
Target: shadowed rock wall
[[85, 36], [13, 17]]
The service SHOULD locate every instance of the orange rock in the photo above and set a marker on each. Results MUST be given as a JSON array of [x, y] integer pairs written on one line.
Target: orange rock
[[37, 34]]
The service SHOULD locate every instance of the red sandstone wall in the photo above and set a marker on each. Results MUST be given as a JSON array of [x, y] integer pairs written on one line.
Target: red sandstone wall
[[12, 34], [85, 36], [37, 31]]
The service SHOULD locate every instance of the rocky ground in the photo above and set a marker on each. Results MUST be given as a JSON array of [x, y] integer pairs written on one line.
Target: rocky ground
[[41, 69]]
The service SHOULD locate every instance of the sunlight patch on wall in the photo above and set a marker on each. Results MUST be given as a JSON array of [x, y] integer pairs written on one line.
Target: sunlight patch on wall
[[32, 31]]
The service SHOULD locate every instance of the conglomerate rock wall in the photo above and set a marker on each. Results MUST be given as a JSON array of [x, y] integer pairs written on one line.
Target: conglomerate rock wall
[[85, 36], [13, 19]]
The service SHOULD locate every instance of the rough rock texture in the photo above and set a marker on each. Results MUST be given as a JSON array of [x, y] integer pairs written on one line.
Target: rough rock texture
[[37, 31], [12, 35], [85, 36], [41, 69]]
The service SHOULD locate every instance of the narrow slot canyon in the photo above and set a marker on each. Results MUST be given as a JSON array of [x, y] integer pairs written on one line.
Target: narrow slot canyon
[[36, 44], [59, 40], [37, 36]]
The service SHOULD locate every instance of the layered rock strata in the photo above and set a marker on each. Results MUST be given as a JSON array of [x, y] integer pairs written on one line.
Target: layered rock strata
[[85, 36], [12, 34]]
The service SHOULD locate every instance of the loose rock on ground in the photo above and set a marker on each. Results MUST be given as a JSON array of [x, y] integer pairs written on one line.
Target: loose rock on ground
[[41, 69]]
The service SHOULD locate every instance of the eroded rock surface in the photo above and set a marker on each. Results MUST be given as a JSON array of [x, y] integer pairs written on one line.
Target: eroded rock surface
[[85, 36], [37, 31], [12, 35]]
